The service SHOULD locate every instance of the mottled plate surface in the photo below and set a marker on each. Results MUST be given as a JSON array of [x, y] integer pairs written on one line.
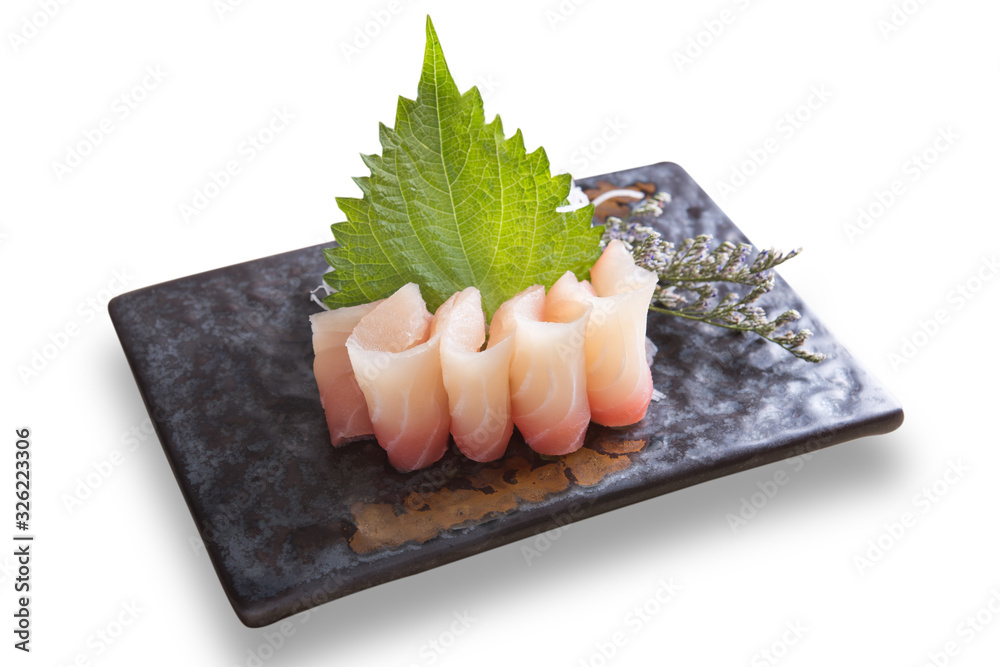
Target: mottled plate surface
[[223, 360]]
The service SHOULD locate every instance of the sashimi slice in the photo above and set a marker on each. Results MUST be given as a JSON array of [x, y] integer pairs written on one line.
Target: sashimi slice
[[548, 381], [397, 364], [477, 383], [527, 305], [343, 402], [619, 383]]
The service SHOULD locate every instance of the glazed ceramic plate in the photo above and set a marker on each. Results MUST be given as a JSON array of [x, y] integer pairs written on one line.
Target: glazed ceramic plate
[[223, 361]]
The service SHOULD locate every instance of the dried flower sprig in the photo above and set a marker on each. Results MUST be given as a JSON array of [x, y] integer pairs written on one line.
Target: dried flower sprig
[[692, 273]]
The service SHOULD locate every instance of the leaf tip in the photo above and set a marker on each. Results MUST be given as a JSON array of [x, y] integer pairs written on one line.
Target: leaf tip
[[432, 38]]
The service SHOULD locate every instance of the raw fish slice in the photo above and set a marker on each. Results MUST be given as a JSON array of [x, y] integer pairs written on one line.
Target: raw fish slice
[[529, 305], [343, 402], [478, 383], [615, 272], [548, 381], [619, 383], [398, 368]]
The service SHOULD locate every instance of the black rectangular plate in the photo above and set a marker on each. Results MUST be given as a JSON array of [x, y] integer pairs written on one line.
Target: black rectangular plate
[[223, 360]]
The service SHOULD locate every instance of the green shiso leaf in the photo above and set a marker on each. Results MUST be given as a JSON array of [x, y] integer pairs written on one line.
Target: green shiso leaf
[[452, 203]]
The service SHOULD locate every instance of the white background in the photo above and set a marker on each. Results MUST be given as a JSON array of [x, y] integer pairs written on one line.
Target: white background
[[132, 541]]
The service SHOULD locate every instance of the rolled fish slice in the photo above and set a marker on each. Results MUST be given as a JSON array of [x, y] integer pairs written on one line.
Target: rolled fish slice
[[477, 382], [548, 371], [619, 383], [343, 402], [397, 365]]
